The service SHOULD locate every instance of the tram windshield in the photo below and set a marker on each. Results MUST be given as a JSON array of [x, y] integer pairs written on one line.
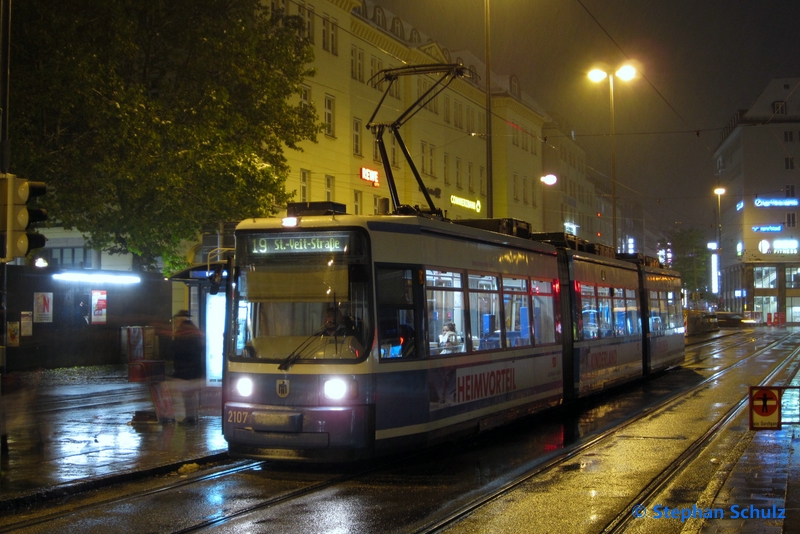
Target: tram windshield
[[303, 296]]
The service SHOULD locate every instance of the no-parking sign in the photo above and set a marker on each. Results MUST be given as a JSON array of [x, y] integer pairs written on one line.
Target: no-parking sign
[[765, 408]]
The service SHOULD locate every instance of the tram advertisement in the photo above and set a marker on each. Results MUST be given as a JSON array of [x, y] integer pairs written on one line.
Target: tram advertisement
[[452, 386]]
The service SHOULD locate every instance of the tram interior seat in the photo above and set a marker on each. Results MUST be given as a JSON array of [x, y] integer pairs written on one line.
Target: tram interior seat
[[310, 347]]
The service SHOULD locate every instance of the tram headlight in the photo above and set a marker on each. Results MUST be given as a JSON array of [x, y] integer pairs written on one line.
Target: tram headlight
[[244, 387], [340, 388]]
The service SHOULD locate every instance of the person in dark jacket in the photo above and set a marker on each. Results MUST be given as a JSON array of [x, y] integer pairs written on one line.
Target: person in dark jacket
[[187, 360]]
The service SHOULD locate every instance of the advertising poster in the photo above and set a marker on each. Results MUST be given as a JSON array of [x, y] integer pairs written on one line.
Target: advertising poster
[[26, 324], [13, 334], [98, 315], [42, 307]]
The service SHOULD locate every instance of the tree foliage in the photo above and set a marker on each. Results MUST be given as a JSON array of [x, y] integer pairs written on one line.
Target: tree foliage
[[149, 119], [691, 257]]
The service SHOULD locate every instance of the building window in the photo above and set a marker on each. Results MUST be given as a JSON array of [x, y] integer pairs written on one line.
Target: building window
[[516, 186], [790, 191], [376, 204], [779, 107], [787, 136], [305, 185], [470, 181], [397, 28], [789, 163], [305, 95], [326, 30], [514, 86], [310, 24], [470, 120], [525, 189], [424, 157], [514, 133], [330, 34], [415, 36], [793, 278], [446, 168], [458, 115], [482, 178], [66, 257], [329, 187], [330, 109], [357, 137], [765, 277], [357, 63], [431, 160], [447, 109], [380, 19], [458, 173], [394, 152], [791, 220], [357, 202]]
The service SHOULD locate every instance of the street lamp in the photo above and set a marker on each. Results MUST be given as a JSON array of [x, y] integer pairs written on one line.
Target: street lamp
[[625, 73]]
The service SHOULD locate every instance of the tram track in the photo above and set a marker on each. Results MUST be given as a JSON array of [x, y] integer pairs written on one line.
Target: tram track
[[623, 518]]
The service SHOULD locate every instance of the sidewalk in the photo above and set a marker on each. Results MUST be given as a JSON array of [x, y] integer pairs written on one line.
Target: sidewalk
[[70, 430]]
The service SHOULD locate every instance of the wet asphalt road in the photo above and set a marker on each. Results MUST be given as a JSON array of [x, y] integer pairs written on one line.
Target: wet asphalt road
[[411, 494]]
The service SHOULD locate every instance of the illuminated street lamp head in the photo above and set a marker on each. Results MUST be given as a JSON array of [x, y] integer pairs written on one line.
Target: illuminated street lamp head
[[626, 73], [597, 75], [719, 191], [549, 179]]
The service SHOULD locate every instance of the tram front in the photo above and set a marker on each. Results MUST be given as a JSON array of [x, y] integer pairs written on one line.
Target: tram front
[[296, 385]]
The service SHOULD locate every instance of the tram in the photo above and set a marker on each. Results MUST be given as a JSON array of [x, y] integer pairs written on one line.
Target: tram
[[354, 336]]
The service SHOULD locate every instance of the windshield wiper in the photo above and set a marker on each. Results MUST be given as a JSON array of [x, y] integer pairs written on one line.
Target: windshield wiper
[[298, 352]]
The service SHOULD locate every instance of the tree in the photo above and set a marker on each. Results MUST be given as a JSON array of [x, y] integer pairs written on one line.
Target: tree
[[150, 119], [691, 257]]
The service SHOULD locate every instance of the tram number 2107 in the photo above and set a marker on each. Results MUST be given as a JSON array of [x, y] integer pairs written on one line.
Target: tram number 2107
[[236, 416]]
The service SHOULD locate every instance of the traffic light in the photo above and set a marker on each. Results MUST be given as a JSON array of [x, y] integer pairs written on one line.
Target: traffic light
[[18, 216]]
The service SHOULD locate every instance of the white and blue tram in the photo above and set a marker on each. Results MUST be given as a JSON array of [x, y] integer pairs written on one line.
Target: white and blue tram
[[353, 336]]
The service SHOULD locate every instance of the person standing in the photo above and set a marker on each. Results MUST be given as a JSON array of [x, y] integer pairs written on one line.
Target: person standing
[[188, 368]]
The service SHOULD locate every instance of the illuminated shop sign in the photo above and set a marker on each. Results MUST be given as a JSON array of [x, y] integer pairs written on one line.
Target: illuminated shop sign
[[784, 246], [368, 175], [779, 246], [466, 203], [775, 202], [768, 228], [300, 244], [740, 205]]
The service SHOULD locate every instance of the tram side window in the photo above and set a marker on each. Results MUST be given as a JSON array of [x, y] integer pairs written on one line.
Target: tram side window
[[663, 311], [517, 312], [589, 312], [396, 330], [544, 315], [604, 311], [484, 308], [655, 317], [445, 295], [618, 303], [633, 320], [675, 314]]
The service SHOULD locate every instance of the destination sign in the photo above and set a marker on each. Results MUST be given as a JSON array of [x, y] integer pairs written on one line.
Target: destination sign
[[298, 244]]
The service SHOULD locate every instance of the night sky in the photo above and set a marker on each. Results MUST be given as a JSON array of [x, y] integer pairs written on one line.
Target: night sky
[[702, 60]]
